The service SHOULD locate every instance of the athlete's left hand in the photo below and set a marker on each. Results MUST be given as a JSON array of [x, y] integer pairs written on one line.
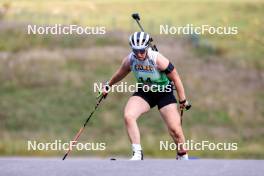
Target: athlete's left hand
[[185, 105]]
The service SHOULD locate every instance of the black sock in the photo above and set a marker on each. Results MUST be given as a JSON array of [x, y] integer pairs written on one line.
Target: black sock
[[181, 153]]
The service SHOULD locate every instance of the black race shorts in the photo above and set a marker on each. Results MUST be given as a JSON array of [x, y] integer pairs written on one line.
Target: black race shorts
[[156, 98]]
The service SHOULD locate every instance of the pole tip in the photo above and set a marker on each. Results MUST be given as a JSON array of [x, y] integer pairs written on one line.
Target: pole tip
[[65, 156]]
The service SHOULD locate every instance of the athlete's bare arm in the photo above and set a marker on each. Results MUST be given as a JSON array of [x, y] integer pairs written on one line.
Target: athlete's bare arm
[[162, 63], [123, 70]]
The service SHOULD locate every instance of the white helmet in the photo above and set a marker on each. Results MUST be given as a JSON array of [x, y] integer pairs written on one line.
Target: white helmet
[[139, 40]]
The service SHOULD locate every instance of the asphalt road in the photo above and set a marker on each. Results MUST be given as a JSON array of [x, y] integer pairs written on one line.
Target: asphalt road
[[148, 167]]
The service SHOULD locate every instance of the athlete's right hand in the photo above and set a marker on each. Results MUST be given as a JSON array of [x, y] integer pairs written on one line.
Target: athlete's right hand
[[104, 91]]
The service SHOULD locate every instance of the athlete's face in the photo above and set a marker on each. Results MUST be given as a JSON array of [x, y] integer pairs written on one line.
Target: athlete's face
[[140, 54]]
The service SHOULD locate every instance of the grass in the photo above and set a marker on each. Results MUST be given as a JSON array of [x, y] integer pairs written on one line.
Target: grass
[[49, 99], [245, 47], [23, 41]]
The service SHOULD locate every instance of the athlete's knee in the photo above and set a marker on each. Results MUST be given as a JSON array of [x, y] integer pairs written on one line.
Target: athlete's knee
[[129, 117], [175, 132]]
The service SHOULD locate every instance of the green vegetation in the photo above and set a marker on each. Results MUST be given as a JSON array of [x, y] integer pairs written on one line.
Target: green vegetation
[[115, 15], [47, 81]]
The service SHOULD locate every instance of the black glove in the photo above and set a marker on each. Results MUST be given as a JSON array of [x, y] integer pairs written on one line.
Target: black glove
[[185, 105]]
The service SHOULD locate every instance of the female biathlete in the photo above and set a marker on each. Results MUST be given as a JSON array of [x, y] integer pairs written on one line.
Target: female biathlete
[[152, 69]]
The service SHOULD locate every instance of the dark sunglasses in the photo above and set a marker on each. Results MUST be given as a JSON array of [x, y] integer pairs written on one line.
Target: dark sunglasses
[[141, 51]]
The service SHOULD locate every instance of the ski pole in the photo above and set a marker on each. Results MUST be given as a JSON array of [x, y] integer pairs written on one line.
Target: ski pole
[[82, 128], [187, 108]]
